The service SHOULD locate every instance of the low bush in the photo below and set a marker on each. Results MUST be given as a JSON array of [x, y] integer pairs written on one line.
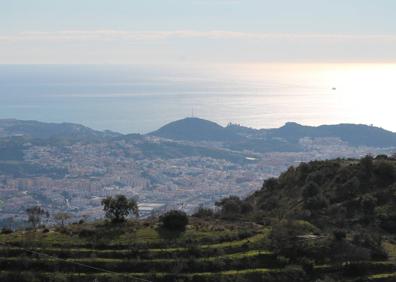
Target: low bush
[[5, 230], [174, 220]]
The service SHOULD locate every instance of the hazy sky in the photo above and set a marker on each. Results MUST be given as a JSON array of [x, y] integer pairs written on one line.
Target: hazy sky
[[224, 31]]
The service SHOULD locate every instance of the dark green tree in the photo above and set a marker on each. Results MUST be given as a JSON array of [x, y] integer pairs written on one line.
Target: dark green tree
[[284, 238], [174, 220], [368, 204], [119, 207], [367, 165], [271, 184], [35, 215], [310, 190], [230, 207], [385, 172], [203, 212]]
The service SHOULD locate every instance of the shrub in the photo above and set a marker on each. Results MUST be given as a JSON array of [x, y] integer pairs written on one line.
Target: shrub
[[307, 265], [203, 212], [285, 238], [315, 203], [381, 157], [349, 189], [5, 230], [174, 220], [271, 184], [339, 235], [385, 172], [310, 190], [87, 232], [230, 207], [366, 165], [368, 204]]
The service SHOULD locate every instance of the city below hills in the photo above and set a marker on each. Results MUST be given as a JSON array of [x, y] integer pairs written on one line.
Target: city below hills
[[296, 203], [184, 164]]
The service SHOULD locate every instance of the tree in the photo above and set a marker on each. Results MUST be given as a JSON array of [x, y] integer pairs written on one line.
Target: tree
[[174, 220], [35, 215], [315, 203], [62, 217], [310, 190], [385, 172], [271, 184], [367, 165], [203, 212], [350, 188], [368, 204], [284, 240], [119, 207], [339, 234], [230, 207]]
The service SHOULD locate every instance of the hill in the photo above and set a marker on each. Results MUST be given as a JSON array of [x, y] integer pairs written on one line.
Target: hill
[[353, 134], [195, 129], [332, 212], [335, 218], [284, 139], [44, 130], [291, 133], [334, 194]]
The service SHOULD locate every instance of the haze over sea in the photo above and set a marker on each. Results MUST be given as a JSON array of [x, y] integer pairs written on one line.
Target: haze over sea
[[141, 98]]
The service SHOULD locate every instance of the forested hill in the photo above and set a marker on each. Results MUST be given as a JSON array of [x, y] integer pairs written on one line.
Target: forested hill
[[354, 134], [285, 138], [334, 194], [336, 218], [195, 129]]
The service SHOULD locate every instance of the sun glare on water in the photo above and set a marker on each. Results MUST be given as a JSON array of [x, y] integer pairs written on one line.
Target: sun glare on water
[[324, 93], [366, 93]]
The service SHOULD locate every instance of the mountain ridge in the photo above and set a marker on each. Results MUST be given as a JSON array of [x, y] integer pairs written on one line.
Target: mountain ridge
[[284, 138], [46, 130], [195, 129]]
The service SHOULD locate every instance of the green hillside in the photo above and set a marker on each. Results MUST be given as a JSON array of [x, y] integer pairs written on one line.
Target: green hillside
[[321, 221], [336, 212]]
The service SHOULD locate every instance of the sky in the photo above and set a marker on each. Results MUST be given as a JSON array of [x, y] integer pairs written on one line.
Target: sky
[[197, 31]]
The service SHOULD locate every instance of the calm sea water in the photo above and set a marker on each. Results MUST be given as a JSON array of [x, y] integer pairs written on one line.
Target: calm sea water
[[143, 98]]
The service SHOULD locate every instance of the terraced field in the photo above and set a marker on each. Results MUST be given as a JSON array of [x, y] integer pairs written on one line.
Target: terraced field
[[138, 254], [143, 254]]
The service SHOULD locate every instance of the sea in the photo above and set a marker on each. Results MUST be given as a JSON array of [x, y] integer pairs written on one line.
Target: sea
[[142, 98]]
